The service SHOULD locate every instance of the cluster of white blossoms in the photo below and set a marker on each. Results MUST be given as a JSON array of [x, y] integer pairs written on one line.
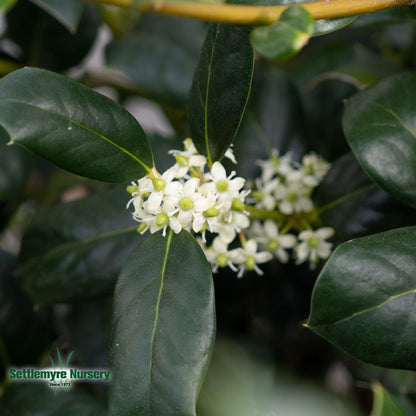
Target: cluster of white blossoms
[[285, 187], [192, 196]]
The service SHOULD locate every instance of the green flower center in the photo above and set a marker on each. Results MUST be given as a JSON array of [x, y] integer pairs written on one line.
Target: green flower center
[[186, 203], [273, 245], [222, 260], [162, 219], [222, 186], [313, 242], [250, 262], [292, 196]]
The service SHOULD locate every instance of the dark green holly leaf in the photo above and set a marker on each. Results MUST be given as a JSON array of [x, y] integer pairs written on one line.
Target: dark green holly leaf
[[354, 206], [380, 127], [17, 317], [273, 120], [384, 404], [220, 89], [339, 58], [160, 56], [75, 250], [24, 399], [45, 42], [287, 36], [67, 12], [374, 279], [164, 326], [14, 168], [72, 126]]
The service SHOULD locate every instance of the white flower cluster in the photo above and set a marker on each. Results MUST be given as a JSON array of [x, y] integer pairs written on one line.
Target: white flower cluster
[[193, 197], [285, 187]]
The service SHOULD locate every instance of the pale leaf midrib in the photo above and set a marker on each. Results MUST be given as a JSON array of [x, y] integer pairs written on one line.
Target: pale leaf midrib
[[83, 126]]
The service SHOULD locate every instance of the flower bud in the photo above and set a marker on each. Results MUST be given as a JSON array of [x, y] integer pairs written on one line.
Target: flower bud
[[237, 205], [142, 228], [131, 189], [211, 212]]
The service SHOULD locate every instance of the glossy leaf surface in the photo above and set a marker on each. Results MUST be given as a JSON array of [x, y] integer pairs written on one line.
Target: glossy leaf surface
[[72, 126], [70, 252], [374, 279], [45, 42], [354, 206], [220, 89], [380, 127], [67, 12], [164, 325], [14, 168]]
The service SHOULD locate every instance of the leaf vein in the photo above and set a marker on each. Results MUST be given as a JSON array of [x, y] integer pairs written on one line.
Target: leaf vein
[[152, 340], [69, 119], [396, 116]]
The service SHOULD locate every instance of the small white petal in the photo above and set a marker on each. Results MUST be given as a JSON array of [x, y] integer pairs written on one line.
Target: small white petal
[[325, 232], [175, 225], [218, 171]]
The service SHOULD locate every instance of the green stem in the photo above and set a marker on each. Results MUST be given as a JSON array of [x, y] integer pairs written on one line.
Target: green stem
[[263, 214]]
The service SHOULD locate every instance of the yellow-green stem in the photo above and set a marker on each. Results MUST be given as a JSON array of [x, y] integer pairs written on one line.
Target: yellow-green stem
[[242, 14], [263, 214]]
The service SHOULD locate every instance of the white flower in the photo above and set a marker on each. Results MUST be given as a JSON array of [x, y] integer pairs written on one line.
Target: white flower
[[228, 227], [248, 257], [315, 168], [311, 171], [224, 186], [265, 194], [294, 197], [218, 255], [281, 165], [187, 159], [190, 204], [275, 242], [313, 245]]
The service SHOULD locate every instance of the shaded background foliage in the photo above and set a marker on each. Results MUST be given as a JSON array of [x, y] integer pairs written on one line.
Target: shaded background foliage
[[294, 106]]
